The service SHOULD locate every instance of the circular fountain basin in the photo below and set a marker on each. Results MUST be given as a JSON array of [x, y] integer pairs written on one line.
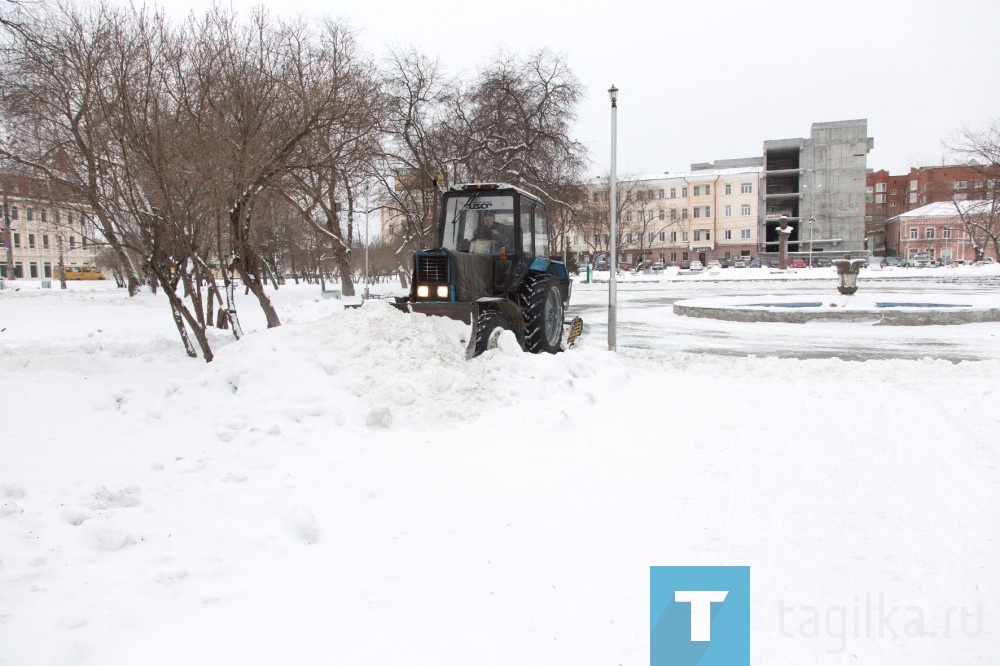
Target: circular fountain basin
[[887, 309]]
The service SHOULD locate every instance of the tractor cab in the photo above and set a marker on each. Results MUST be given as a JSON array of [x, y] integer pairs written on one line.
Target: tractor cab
[[494, 219]]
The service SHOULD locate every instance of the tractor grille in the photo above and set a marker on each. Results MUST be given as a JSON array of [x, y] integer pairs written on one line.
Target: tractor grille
[[432, 268]]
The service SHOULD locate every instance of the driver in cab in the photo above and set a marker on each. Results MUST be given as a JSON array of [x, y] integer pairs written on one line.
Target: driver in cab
[[489, 229]]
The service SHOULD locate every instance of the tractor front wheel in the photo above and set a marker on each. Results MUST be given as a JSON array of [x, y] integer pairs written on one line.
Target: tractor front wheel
[[489, 326], [543, 314]]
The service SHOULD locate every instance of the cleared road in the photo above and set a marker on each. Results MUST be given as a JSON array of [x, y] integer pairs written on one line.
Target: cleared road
[[646, 321]]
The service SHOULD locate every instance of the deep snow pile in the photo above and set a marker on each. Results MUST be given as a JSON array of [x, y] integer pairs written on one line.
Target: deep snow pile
[[348, 488]]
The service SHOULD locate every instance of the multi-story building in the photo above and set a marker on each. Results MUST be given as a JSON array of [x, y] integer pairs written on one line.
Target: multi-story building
[[817, 186], [709, 212], [889, 196], [39, 228]]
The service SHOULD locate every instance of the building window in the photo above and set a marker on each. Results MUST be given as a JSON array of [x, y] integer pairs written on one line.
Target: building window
[[880, 198], [673, 213], [663, 214], [697, 190], [673, 236], [649, 216], [745, 234], [47, 269], [44, 215], [729, 210], [30, 214], [880, 187], [746, 188], [745, 210], [661, 194], [13, 212], [959, 185], [684, 255], [697, 211], [83, 242], [946, 233], [978, 184], [72, 242], [31, 242], [33, 269], [45, 241], [652, 236], [684, 236], [673, 192], [684, 214], [663, 236], [708, 190], [684, 191], [913, 186], [892, 204], [729, 188], [597, 197], [17, 240], [708, 211], [913, 197], [892, 192], [929, 233], [914, 233], [728, 234]]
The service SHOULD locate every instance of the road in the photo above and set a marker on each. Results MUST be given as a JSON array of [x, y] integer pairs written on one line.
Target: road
[[646, 321]]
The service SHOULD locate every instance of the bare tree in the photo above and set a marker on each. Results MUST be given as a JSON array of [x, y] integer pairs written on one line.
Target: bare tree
[[333, 165], [981, 217], [54, 85], [420, 152]]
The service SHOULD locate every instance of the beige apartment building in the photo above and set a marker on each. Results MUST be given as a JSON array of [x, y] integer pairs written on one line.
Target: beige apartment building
[[710, 212], [36, 230]]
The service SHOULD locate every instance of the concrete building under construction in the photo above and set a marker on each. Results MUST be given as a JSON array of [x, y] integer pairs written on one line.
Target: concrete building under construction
[[822, 179]]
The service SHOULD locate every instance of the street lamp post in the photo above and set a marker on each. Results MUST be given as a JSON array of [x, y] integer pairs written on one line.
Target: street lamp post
[[613, 264], [812, 233]]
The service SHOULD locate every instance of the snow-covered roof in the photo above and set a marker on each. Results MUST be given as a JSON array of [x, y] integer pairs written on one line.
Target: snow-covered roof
[[945, 209]]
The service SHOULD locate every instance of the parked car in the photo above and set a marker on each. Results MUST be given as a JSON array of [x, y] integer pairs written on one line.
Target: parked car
[[921, 260], [989, 260], [696, 265], [822, 262], [713, 263], [739, 263], [685, 264], [889, 261], [797, 263], [658, 266], [602, 266], [755, 263]]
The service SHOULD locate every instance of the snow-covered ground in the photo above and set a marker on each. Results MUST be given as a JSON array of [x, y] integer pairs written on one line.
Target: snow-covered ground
[[349, 489]]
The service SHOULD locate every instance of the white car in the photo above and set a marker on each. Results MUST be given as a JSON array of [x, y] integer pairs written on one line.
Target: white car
[[696, 266]]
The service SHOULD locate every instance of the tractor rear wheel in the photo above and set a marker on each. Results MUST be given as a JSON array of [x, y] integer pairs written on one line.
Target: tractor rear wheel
[[543, 314], [489, 326]]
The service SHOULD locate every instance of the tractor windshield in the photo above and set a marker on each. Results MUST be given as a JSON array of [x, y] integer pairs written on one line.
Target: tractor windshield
[[482, 224]]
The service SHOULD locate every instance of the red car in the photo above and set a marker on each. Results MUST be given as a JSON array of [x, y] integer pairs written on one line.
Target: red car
[[797, 263]]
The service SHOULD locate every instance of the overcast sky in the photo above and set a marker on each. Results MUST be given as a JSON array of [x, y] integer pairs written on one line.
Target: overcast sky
[[707, 81]]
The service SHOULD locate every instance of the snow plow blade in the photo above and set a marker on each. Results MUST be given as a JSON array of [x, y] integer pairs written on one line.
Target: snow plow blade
[[464, 312]]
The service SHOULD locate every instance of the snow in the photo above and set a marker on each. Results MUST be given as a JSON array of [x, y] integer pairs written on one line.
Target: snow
[[348, 488]]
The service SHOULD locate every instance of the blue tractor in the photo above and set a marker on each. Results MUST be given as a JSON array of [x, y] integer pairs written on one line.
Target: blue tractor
[[493, 269]]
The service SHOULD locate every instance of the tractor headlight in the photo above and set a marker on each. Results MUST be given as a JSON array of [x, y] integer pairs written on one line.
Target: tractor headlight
[[423, 291], [442, 291]]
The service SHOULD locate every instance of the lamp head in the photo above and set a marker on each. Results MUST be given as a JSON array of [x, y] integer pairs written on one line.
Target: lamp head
[[613, 94]]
